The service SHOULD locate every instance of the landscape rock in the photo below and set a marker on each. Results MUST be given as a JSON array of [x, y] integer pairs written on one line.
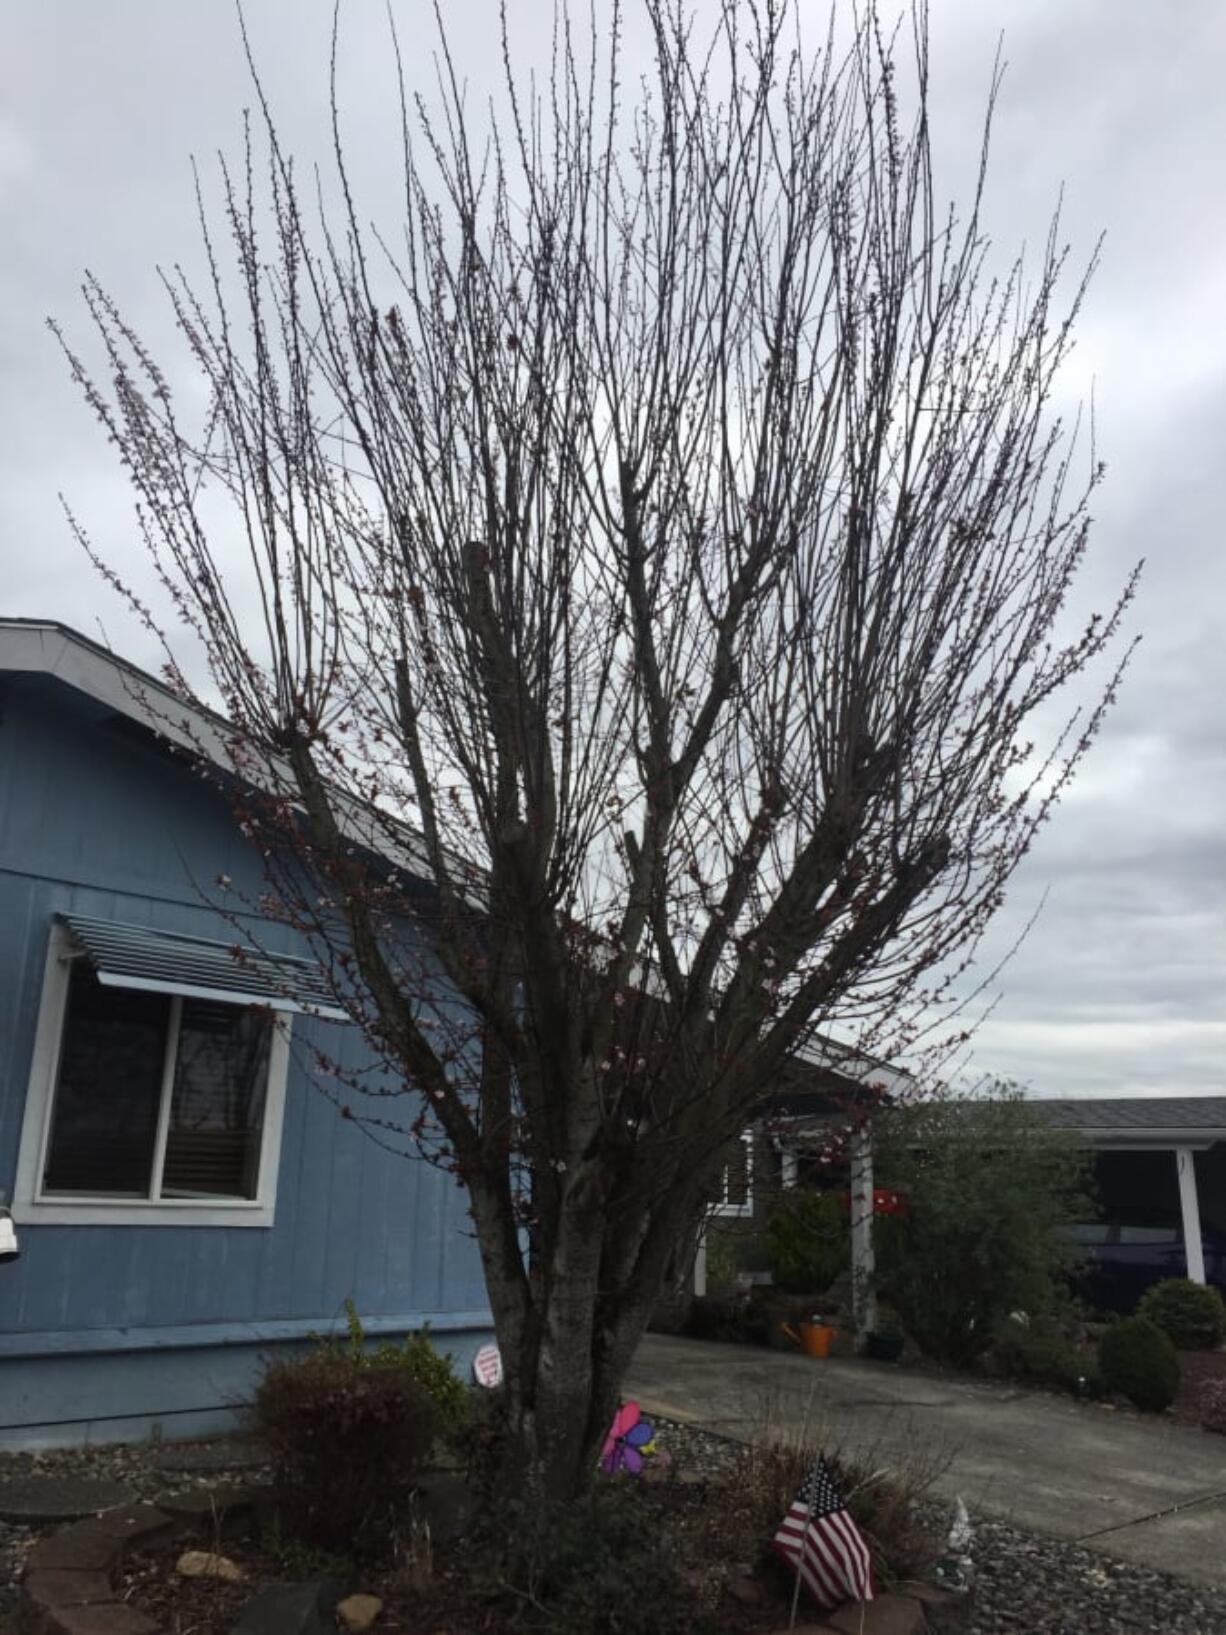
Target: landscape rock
[[108, 1618], [194, 1458], [207, 1564], [134, 1526], [885, 1615], [746, 1591], [445, 1501], [224, 1510], [358, 1612], [946, 1611], [292, 1609], [83, 1548], [36, 1499], [55, 1588]]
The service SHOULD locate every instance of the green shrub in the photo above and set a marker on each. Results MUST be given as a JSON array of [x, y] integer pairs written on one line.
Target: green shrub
[[347, 1436], [1191, 1315], [991, 1187], [730, 1247], [418, 1360], [735, 1318], [1039, 1353], [1137, 1360], [600, 1564], [808, 1241]]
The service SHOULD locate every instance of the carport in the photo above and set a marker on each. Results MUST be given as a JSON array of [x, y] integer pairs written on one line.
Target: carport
[[1185, 1138]]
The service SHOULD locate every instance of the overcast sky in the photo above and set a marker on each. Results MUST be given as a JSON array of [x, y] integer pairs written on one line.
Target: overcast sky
[[1121, 984]]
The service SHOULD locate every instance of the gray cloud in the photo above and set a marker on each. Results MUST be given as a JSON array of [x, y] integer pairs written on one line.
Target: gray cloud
[[1121, 983]]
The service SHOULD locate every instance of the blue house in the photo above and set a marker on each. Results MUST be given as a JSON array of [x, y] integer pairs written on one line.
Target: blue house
[[186, 1197]]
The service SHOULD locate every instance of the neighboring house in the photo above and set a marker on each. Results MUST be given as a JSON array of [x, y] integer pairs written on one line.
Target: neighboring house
[[799, 1139], [186, 1198], [1159, 1167], [1160, 1174]]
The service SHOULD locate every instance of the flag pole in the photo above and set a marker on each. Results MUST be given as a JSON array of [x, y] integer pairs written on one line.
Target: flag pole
[[804, 1435]]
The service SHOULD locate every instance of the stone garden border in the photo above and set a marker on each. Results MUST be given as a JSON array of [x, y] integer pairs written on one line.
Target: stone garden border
[[69, 1583], [68, 1587]]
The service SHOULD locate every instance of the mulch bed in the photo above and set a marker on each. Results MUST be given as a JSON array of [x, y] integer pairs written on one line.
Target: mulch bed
[[195, 1606], [702, 1511], [727, 1595]]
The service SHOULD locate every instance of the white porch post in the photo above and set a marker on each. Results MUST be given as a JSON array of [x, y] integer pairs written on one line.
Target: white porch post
[[1189, 1204], [789, 1168], [700, 1264], [863, 1294]]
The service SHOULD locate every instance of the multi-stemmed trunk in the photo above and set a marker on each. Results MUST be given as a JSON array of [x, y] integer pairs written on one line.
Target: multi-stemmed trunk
[[567, 1341]]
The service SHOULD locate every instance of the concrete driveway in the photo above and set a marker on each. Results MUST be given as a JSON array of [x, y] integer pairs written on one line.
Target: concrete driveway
[[1141, 1488]]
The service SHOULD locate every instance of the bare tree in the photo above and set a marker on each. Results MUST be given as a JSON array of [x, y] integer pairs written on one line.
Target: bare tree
[[659, 544]]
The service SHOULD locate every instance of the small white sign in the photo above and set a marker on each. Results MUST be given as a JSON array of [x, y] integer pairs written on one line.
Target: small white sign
[[487, 1367]]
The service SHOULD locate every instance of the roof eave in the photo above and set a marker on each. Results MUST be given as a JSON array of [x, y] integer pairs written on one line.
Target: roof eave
[[1174, 1136]]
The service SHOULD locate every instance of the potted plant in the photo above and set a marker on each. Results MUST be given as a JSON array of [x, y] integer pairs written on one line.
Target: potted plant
[[885, 1342]]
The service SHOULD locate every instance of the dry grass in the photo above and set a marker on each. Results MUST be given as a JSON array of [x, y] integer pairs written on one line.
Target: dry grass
[[889, 1493]]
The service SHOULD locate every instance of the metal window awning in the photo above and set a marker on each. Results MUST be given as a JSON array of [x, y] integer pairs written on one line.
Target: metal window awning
[[133, 956]]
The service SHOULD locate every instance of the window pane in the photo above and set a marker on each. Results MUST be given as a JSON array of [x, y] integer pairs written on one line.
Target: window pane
[[217, 1108], [104, 1122], [1130, 1233]]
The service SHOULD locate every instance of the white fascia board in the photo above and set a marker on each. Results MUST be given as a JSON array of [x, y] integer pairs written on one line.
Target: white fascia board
[[854, 1064], [1147, 1140]]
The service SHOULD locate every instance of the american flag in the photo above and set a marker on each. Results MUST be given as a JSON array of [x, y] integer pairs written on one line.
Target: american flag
[[819, 1540]]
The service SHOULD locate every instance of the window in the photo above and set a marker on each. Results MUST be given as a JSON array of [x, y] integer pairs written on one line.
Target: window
[[1134, 1233], [157, 1097], [735, 1196], [149, 1105]]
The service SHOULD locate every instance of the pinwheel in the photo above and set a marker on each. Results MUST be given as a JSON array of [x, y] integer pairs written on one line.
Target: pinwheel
[[630, 1437]]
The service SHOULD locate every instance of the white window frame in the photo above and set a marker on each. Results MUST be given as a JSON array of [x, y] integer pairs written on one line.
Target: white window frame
[[31, 1208], [721, 1207]]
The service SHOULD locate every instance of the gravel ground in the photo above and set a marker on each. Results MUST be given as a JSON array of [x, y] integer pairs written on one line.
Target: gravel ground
[[1028, 1584]]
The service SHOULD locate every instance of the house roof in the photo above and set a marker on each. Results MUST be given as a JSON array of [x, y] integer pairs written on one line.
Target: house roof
[[46, 647], [1125, 1120]]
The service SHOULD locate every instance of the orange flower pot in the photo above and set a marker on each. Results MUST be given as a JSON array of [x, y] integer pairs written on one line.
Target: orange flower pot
[[813, 1338]]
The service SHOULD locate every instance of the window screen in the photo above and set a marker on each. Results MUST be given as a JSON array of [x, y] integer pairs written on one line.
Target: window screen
[[217, 1107]]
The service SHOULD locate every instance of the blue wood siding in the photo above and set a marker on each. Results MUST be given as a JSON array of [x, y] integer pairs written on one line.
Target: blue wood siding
[[94, 820]]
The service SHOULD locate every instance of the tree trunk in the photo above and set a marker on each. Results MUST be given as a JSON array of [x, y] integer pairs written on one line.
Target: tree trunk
[[560, 1415], [566, 1346]]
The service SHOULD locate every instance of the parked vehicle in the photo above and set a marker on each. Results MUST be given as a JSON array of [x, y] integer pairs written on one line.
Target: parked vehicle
[[1125, 1254]]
